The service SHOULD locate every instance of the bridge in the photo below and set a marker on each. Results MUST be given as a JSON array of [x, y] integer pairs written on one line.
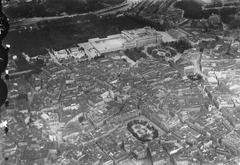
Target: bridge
[[221, 5], [126, 5], [153, 6], [218, 8]]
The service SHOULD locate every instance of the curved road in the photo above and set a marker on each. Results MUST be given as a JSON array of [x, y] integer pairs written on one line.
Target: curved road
[[126, 5]]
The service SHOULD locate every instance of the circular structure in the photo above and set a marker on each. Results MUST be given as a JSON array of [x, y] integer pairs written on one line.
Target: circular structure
[[142, 130], [3, 92], [3, 59]]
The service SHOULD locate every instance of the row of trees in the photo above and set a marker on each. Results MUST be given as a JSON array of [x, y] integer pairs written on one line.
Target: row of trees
[[193, 10], [135, 54], [180, 45], [52, 8]]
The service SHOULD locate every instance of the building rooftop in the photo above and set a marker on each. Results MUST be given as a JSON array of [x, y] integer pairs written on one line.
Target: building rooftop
[[113, 42]]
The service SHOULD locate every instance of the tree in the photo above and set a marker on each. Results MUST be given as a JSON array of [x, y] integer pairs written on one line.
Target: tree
[[199, 156], [81, 119], [122, 145], [199, 61], [149, 156], [214, 20], [3, 92], [194, 76], [181, 45], [229, 47], [205, 25], [4, 26], [235, 22]]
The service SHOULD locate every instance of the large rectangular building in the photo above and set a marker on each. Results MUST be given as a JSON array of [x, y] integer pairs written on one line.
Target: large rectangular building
[[128, 39], [110, 44]]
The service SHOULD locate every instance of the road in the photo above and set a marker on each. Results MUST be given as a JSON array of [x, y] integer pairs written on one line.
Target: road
[[100, 137], [218, 8], [196, 63], [28, 22]]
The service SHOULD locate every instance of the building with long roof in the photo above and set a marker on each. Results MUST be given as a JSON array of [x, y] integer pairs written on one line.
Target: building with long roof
[[127, 39]]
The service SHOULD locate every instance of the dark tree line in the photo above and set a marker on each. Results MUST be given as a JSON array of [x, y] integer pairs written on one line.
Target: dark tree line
[[180, 45], [193, 10], [52, 8], [135, 54]]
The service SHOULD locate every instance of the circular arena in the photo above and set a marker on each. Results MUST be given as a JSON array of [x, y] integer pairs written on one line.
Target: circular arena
[[142, 130]]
